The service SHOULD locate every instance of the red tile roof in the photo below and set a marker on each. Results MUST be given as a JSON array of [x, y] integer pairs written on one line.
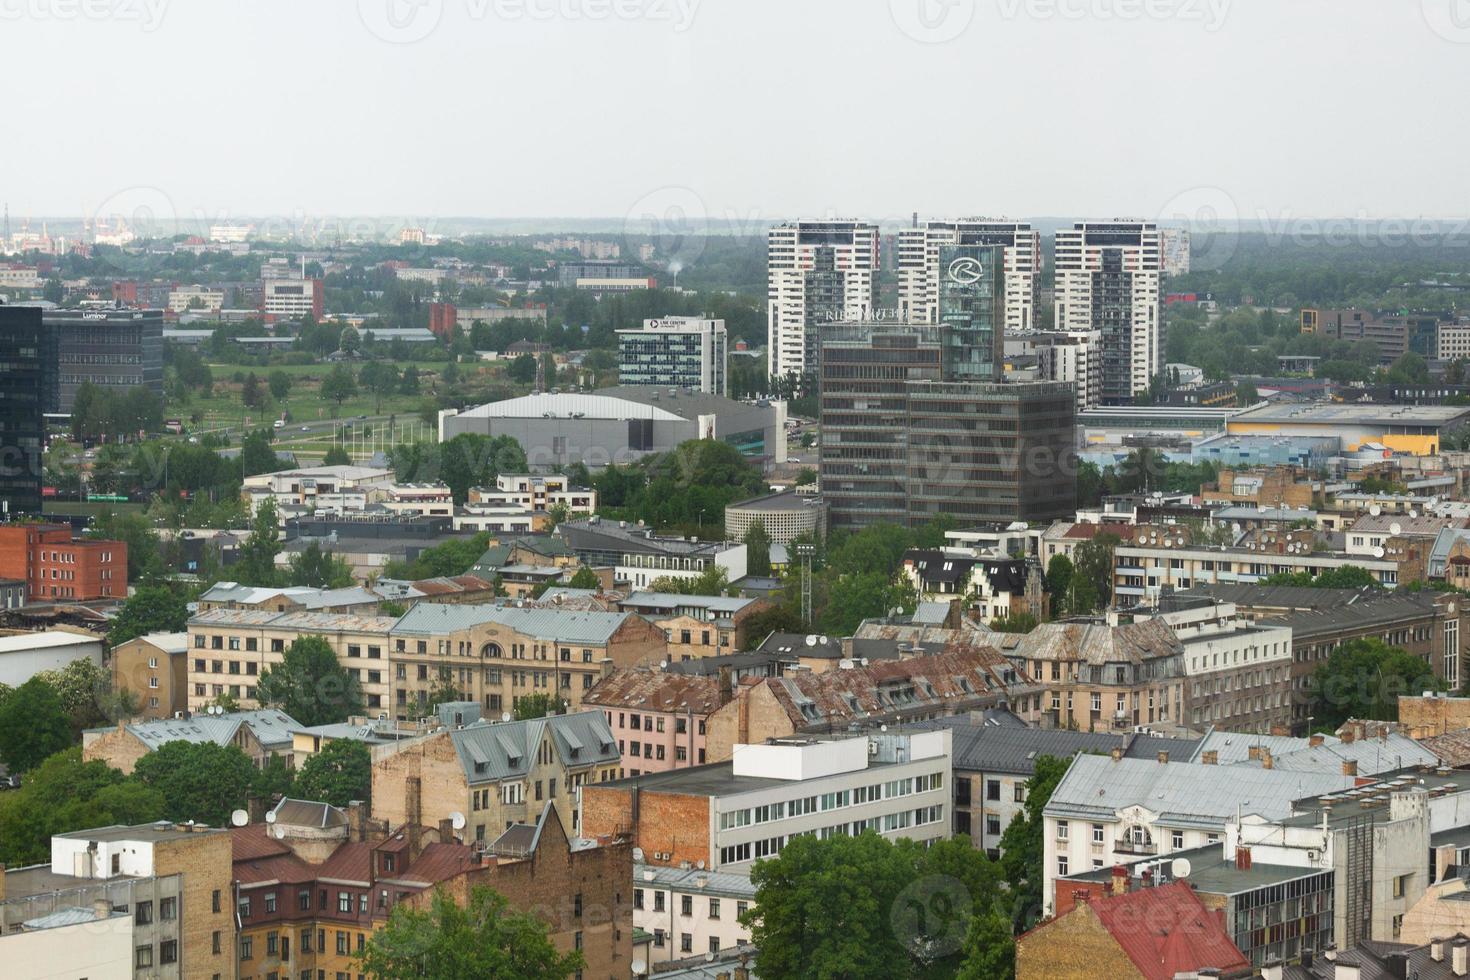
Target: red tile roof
[[439, 862], [1166, 931], [351, 861], [250, 842], [1090, 531]]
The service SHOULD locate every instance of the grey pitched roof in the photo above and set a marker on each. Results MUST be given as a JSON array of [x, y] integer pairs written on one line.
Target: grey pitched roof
[[270, 725], [1183, 794], [1372, 755], [1014, 750], [572, 626], [658, 601], [491, 753]]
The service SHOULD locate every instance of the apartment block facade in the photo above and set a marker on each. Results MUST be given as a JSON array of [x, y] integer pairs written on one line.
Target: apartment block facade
[[816, 272], [57, 567], [922, 269]]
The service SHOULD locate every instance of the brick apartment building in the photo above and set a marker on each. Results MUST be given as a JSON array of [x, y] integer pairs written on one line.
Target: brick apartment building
[[312, 892], [57, 567], [155, 669], [658, 718]]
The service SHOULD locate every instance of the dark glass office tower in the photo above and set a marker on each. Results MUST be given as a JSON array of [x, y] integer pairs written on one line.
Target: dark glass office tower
[[109, 348], [972, 312], [27, 385]]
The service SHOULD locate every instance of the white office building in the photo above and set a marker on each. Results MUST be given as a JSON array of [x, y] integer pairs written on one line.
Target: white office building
[[1074, 357], [919, 270], [676, 352], [816, 272], [1109, 279], [1176, 251]]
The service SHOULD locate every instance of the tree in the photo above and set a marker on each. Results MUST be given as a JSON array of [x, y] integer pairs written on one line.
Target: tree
[[1022, 847], [1059, 572], [256, 454], [780, 618], [990, 949], [138, 533], [348, 341], [150, 609], [257, 562], [64, 794], [310, 685], [1363, 678], [483, 938], [1021, 622], [711, 582], [314, 568], [250, 391], [380, 378], [83, 688], [529, 706], [199, 781], [523, 369], [1092, 583], [340, 773], [1245, 394], [585, 578], [280, 384], [757, 550], [1342, 577], [339, 384], [337, 456], [33, 725], [408, 383]]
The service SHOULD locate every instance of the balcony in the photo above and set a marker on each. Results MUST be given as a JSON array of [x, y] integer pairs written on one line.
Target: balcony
[[1143, 847]]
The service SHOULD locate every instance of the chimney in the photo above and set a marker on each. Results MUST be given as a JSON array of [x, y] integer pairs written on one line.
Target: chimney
[[1279, 730], [446, 831], [1315, 740], [1254, 753], [1163, 756], [102, 908], [1350, 767], [1397, 965], [357, 815], [1272, 971], [1117, 753], [1347, 736], [1436, 950], [1459, 960], [726, 686], [1210, 758], [1120, 880], [1346, 971], [1242, 858], [1265, 758]]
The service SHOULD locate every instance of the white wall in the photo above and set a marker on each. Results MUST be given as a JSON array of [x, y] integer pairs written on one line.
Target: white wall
[[100, 950], [20, 666]]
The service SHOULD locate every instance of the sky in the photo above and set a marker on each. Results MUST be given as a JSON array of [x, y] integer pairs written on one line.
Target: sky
[[741, 111]]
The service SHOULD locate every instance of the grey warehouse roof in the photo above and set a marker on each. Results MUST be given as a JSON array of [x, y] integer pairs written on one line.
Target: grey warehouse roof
[[573, 626]]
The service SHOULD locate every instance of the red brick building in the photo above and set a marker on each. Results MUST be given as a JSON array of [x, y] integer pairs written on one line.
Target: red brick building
[[442, 319], [55, 566]]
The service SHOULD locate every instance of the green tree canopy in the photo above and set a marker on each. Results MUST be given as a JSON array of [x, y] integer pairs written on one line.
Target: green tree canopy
[[150, 609], [314, 568], [257, 563], [340, 773], [1363, 678], [310, 684], [198, 781], [33, 725], [485, 938], [757, 550], [529, 706], [1343, 577], [1022, 847], [584, 578], [64, 794]]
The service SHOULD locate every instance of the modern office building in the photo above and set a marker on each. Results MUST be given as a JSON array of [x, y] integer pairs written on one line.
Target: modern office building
[[904, 439], [27, 391], [114, 349], [785, 516], [816, 272], [676, 352], [1108, 278], [922, 269], [293, 298]]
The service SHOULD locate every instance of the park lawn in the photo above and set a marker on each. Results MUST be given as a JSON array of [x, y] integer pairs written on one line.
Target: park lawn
[[88, 508]]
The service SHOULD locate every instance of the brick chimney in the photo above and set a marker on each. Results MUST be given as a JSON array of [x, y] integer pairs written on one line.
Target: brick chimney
[[412, 806], [1117, 753], [727, 690], [1210, 758], [1163, 756], [1347, 736], [1350, 767], [1254, 753], [1120, 880], [1315, 740], [1265, 758]]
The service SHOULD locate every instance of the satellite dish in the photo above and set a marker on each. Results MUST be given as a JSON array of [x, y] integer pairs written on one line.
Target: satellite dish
[[663, 665], [825, 641], [505, 716], [1378, 552], [1395, 529], [239, 818], [278, 832], [456, 820], [1180, 868], [270, 816], [639, 968], [638, 854], [1375, 510], [811, 640]]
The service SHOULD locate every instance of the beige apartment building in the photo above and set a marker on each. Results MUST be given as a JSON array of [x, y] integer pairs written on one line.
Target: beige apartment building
[[228, 649], [495, 655]]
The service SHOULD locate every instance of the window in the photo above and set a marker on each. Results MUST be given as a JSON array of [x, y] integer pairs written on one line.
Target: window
[[244, 907], [1097, 833], [247, 947], [344, 901], [1061, 830], [686, 905], [714, 908], [1062, 866], [168, 909], [303, 900], [638, 898], [270, 902], [342, 946], [143, 957], [1176, 840], [216, 943], [686, 943], [143, 914], [658, 901], [1020, 793], [992, 789], [168, 951], [992, 825]]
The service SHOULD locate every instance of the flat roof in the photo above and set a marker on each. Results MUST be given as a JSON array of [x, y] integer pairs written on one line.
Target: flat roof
[[49, 639], [1209, 872], [1323, 413]]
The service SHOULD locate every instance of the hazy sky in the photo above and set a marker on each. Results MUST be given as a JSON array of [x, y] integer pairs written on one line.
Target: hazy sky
[[746, 109]]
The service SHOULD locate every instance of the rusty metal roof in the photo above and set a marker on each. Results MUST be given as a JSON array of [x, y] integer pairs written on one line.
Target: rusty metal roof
[[1097, 645]]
